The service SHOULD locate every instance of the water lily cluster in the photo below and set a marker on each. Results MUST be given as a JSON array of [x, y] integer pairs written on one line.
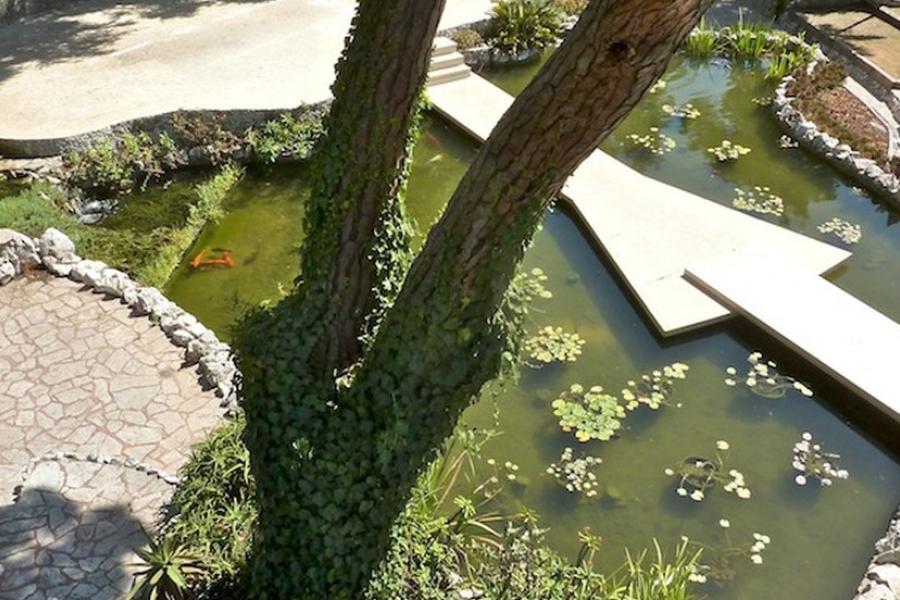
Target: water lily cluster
[[762, 100], [655, 142], [552, 344], [847, 232], [653, 389], [531, 284], [688, 111], [697, 476], [764, 380], [728, 151], [591, 414], [720, 562], [758, 199], [508, 470], [658, 86], [812, 462], [576, 474]]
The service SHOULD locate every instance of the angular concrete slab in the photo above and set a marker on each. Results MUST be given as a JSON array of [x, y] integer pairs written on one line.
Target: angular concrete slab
[[649, 229], [843, 336]]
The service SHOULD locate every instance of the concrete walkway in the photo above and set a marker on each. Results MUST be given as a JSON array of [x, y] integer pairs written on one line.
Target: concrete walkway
[[97, 414], [649, 229], [843, 336], [99, 62]]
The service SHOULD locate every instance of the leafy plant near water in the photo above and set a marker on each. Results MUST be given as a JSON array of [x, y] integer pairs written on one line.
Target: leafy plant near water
[[697, 476], [288, 136], [111, 168], [764, 380], [550, 345], [758, 199], [207, 131], [466, 38], [728, 151], [519, 25]]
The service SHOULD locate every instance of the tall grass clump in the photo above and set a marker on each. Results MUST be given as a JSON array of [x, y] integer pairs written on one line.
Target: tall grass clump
[[519, 25], [702, 42], [207, 209]]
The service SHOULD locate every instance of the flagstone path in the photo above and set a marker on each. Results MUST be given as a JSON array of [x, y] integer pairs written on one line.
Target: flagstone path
[[97, 414]]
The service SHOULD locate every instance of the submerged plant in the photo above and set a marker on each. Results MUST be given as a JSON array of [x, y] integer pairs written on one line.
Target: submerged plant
[[697, 476], [591, 414], [763, 380], [653, 389], [654, 142], [758, 199], [728, 151], [576, 474], [811, 461], [682, 112], [720, 561], [552, 344], [847, 232]]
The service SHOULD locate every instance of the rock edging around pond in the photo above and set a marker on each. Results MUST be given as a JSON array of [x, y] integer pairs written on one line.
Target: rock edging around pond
[[864, 170], [882, 578], [55, 252]]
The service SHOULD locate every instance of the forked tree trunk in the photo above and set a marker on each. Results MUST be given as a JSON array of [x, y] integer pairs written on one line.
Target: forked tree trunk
[[355, 221]]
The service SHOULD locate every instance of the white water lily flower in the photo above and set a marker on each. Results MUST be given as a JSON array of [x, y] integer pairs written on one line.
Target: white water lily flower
[[697, 495], [669, 472], [800, 479], [756, 559], [743, 493], [724, 523], [681, 491], [722, 445]]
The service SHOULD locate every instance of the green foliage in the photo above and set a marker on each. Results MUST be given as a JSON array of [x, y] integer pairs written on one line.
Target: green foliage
[[207, 131], [34, 209], [591, 414], [519, 25], [115, 167], [466, 37], [660, 578], [167, 573], [214, 508], [208, 209], [702, 42], [288, 136], [571, 7], [552, 344]]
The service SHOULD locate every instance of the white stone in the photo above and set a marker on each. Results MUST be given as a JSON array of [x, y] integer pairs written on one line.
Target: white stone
[[87, 271], [7, 272], [18, 249], [55, 243]]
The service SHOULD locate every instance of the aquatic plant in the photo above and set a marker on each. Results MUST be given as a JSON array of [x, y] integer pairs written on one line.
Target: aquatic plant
[[698, 475], [576, 474], [812, 462], [653, 389], [552, 344], [702, 42], [720, 561], [763, 380], [728, 151], [847, 232], [654, 142], [758, 199], [531, 285], [519, 25], [658, 86], [207, 131], [591, 414], [682, 112], [762, 101]]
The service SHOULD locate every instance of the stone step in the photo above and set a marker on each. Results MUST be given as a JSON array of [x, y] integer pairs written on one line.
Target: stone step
[[445, 61], [450, 74], [443, 45]]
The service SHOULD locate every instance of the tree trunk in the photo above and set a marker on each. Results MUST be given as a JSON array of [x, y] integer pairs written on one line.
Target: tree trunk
[[357, 234]]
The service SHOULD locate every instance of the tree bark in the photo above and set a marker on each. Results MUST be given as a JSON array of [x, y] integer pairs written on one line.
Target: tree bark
[[355, 220]]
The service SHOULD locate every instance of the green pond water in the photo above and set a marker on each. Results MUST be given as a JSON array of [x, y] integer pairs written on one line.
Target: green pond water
[[821, 538]]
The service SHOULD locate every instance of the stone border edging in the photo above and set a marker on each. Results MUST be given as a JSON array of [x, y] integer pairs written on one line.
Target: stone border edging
[[55, 252], [882, 578], [864, 170]]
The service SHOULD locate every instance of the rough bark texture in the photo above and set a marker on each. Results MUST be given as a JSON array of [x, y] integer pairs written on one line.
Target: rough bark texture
[[360, 172]]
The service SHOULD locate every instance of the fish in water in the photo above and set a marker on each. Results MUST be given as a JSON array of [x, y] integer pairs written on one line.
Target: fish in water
[[222, 258]]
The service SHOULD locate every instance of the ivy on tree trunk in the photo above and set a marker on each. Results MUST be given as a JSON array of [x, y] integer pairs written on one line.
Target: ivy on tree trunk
[[335, 460]]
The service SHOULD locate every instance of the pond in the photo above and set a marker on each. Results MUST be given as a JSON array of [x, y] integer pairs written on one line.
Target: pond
[[821, 538]]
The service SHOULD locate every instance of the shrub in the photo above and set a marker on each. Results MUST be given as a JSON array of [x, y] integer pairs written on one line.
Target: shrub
[[207, 131], [466, 38], [287, 136], [571, 7], [519, 25], [114, 167]]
